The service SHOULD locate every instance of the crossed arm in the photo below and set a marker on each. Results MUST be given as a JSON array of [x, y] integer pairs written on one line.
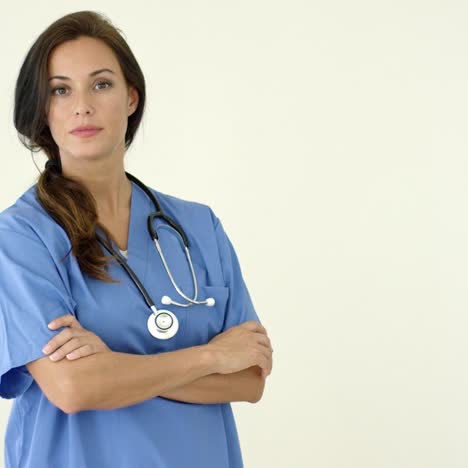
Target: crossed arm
[[110, 380], [246, 385], [89, 382], [186, 375]]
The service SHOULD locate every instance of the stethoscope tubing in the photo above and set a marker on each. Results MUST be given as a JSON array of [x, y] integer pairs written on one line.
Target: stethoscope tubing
[[154, 235], [149, 301]]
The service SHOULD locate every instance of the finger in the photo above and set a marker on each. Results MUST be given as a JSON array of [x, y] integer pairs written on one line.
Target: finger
[[264, 365], [60, 339], [67, 348], [254, 326], [263, 340], [83, 351], [264, 355], [270, 365], [265, 370], [67, 320]]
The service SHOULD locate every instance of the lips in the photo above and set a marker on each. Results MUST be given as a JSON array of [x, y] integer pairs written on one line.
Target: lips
[[86, 133]]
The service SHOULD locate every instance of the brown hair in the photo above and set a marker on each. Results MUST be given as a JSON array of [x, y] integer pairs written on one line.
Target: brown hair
[[67, 201]]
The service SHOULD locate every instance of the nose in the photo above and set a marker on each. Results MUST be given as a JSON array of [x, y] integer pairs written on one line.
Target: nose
[[83, 105], [82, 110]]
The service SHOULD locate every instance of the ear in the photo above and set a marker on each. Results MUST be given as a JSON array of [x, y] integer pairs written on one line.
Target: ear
[[133, 99]]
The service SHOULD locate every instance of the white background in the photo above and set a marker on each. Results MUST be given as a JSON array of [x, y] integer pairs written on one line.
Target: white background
[[330, 139]]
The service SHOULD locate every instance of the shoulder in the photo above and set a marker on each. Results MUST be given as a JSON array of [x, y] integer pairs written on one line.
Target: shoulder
[[27, 218], [184, 209]]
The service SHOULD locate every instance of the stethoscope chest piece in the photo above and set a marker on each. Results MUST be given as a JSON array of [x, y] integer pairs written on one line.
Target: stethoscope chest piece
[[163, 324]]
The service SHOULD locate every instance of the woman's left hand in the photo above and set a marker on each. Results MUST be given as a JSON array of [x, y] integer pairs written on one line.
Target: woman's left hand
[[74, 341]]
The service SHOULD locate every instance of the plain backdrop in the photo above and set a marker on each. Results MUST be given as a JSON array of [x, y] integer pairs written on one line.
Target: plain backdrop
[[330, 138]]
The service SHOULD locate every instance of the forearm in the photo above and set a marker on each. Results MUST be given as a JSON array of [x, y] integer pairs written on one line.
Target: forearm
[[246, 385], [113, 380]]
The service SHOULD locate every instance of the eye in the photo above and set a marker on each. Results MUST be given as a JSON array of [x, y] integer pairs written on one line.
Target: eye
[[55, 89], [104, 82]]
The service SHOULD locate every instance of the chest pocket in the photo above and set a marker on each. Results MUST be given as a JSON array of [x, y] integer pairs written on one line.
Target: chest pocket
[[202, 322]]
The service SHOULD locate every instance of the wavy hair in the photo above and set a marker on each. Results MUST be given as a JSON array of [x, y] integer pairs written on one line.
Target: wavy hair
[[67, 201]]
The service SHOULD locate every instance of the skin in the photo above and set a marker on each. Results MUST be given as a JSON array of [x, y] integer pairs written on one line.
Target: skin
[[97, 161], [75, 341], [104, 100]]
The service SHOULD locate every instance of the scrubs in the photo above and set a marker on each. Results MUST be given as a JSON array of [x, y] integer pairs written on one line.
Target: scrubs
[[36, 286]]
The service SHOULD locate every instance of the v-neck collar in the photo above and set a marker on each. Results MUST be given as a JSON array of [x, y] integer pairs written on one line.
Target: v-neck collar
[[130, 222], [137, 240]]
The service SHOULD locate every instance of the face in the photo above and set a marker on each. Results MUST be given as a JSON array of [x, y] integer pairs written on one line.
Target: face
[[103, 100]]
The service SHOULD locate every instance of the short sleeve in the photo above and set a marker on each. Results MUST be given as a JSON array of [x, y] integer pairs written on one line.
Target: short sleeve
[[32, 294], [239, 307]]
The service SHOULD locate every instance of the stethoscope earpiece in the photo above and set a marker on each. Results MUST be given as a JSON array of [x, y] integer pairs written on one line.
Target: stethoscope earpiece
[[209, 302]]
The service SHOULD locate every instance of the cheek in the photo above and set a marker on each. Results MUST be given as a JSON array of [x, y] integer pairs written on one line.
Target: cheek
[[56, 131], [56, 123], [117, 118]]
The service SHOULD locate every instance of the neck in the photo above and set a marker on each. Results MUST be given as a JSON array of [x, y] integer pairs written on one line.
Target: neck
[[109, 186]]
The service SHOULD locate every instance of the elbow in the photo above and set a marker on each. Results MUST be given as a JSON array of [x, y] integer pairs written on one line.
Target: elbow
[[61, 395], [70, 403], [58, 383]]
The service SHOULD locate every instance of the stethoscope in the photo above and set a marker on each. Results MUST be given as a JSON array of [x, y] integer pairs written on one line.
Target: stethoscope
[[162, 324]]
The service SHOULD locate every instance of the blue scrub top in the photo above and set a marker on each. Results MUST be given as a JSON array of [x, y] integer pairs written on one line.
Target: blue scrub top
[[37, 287]]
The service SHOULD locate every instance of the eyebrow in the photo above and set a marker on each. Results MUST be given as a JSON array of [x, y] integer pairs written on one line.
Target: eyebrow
[[95, 72]]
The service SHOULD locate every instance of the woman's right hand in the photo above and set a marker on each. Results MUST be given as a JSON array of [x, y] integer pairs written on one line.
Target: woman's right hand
[[242, 346]]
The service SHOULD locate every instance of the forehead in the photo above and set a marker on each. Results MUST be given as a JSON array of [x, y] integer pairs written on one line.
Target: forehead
[[78, 57]]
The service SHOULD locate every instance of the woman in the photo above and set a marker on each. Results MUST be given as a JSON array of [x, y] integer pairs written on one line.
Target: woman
[[124, 390]]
